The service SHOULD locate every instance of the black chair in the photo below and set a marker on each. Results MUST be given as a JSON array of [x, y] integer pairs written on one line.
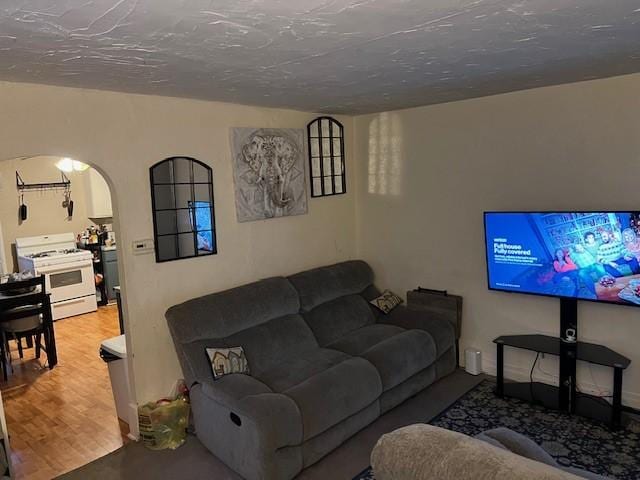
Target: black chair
[[25, 311]]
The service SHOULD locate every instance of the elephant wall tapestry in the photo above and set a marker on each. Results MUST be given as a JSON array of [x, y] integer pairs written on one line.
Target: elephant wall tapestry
[[268, 170]]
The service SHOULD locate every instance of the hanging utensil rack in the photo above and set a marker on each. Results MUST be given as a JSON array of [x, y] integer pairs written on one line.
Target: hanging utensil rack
[[65, 184]]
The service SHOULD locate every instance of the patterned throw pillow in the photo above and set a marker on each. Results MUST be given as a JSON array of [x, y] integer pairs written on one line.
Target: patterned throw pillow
[[225, 361], [387, 301]]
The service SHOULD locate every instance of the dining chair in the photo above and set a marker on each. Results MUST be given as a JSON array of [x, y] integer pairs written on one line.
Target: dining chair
[[25, 312]]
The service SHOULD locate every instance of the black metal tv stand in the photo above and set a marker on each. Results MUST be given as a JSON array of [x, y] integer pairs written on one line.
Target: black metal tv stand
[[565, 397]]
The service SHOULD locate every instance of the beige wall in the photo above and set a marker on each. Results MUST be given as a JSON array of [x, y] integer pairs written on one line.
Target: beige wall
[[426, 175], [123, 135], [44, 208]]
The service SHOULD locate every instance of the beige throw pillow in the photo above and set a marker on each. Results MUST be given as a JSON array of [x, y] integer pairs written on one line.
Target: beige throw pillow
[[225, 361], [387, 301]]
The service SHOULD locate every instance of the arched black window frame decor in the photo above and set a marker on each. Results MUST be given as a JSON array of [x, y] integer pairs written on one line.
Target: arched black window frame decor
[[178, 185], [327, 178]]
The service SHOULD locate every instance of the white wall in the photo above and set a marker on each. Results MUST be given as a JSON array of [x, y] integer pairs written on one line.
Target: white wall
[[123, 135], [426, 175]]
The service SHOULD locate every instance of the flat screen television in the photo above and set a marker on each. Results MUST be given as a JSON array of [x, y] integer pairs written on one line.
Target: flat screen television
[[572, 255]]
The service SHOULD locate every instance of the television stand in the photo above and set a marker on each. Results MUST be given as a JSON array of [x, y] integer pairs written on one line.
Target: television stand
[[565, 397]]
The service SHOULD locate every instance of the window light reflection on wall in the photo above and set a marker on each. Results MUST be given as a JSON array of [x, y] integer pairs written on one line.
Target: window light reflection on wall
[[385, 154]]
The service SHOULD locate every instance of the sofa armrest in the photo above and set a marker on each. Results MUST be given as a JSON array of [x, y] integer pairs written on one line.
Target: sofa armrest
[[441, 330], [252, 411], [231, 388]]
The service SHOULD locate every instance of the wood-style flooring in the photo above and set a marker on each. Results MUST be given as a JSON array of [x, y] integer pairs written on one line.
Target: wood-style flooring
[[63, 418]]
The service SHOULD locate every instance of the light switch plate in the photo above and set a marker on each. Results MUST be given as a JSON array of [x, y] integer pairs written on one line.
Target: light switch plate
[[142, 247]]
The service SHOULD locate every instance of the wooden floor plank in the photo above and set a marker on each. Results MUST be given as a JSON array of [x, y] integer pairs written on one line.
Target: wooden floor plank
[[63, 418]]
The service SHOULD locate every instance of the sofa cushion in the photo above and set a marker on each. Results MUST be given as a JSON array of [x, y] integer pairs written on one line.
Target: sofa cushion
[[324, 284], [297, 369], [362, 339], [397, 353], [401, 356], [328, 397], [336, 318], [441, 330]]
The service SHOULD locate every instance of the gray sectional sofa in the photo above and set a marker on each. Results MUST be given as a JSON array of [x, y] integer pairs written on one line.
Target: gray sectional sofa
[[324, 364]]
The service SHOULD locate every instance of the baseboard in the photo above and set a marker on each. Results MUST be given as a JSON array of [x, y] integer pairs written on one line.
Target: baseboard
[[521, 374], [134, 428]]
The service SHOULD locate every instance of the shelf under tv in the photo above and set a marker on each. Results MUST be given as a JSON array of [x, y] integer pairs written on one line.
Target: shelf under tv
[[596, 408], [565, 397]]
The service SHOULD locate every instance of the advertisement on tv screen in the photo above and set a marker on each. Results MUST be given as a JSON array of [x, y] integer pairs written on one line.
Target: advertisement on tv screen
[[584, 255]]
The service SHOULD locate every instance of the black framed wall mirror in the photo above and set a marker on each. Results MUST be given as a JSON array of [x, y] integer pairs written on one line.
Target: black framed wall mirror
[[183, 209], [326, 157]]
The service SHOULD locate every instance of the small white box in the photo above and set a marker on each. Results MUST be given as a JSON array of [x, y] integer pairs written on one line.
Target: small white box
[[473, 361]]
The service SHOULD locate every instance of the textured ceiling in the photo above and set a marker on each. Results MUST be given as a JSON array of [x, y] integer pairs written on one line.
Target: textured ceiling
[[339, 56]]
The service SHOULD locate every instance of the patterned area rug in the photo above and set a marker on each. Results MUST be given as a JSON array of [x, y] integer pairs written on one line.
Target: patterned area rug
[[571, 440]]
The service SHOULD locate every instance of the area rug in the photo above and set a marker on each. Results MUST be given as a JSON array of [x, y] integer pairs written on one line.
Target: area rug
[[572, 440]]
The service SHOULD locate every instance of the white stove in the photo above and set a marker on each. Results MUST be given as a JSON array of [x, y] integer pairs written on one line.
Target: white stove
[[68, 271]]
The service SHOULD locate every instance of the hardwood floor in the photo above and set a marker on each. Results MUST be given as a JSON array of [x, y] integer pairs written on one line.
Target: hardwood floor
[[63, 418]]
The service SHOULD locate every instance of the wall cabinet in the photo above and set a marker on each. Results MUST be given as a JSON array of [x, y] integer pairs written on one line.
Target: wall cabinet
[[97, 194]]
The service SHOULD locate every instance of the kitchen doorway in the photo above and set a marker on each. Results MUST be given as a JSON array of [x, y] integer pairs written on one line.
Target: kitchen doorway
[[57, 220]]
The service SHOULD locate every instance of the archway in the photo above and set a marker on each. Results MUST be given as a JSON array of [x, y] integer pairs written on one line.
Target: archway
[[10, 185]]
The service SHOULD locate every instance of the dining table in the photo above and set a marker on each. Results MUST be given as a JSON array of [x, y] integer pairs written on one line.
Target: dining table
[[32, 302]]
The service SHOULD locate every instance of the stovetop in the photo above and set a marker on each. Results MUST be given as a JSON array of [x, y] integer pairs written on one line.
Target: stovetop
[[53, 257], [41, 254], [55, 253]]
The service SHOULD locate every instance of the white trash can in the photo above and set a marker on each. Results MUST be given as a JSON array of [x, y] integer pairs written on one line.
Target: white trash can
[[114, 352]]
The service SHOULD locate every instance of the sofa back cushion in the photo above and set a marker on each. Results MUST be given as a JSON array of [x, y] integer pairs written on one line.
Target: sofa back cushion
[[267, 345], [222, 314], [331, 299], [274, 342], [334, 319], [324, 284]]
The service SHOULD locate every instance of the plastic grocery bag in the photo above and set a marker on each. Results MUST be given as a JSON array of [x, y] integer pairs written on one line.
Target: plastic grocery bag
[[163, 424]]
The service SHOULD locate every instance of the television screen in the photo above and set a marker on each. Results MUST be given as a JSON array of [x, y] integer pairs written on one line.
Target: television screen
[[582, 255]]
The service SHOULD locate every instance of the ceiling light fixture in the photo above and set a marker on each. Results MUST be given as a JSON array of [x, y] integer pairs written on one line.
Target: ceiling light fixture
[[67, 165]]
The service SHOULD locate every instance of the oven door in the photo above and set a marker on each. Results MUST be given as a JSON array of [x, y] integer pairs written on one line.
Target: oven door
[[69, 280]]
